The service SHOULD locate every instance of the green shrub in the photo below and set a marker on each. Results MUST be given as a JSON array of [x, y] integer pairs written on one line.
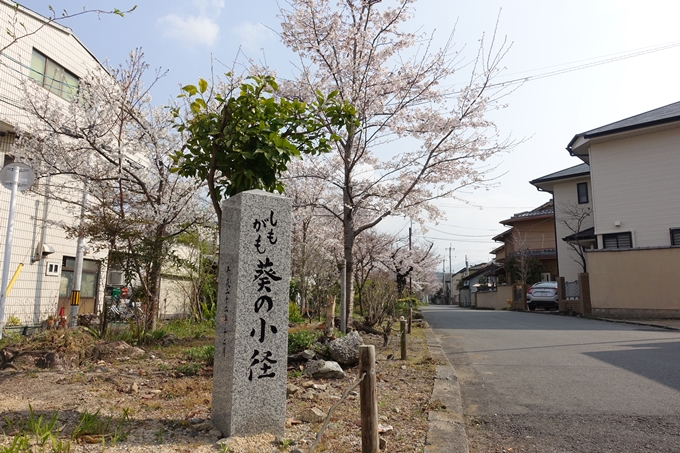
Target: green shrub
[[300, 340], [294, 314], [403, 305], [205, 354]]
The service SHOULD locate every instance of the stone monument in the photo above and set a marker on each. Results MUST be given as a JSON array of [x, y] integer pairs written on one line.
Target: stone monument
[[251, 335]]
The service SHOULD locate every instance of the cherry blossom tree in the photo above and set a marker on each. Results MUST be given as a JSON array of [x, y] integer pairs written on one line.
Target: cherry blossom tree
[[402, 88], [575, 217], [17, 30], [110, 143]]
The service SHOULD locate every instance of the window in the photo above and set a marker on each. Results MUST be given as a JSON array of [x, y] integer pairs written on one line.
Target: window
[[617, 241], [53, 76], [675, 236], [582, 190]]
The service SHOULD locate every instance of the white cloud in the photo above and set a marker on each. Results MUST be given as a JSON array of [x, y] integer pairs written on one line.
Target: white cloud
[[194, 29], [253, 36]]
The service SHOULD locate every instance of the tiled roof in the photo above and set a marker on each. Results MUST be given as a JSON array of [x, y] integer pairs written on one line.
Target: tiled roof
[[578, 170], [545, 209], [666, 114]]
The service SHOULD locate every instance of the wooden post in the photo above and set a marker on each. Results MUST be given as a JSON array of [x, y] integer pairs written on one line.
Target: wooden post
[[402, 324], [368, 400], [330, 317], [410, 318]]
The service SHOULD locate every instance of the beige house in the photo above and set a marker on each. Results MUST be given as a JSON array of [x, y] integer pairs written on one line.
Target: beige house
[[632, 236], [52, 56], [571, 190], [531, 234], [42, 257]]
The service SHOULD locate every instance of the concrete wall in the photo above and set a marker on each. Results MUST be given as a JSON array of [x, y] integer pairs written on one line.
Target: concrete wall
[[635, 182], [635, 283], [496, 300]]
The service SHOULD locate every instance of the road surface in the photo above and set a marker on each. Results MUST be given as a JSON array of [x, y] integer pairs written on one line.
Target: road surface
[[538, 382]]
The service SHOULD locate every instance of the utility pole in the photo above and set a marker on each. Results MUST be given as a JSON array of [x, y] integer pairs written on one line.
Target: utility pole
[[444, 288], [410, 286], [450, 277]]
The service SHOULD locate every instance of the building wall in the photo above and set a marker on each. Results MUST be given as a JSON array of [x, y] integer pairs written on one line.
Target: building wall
[[34, 296], [635, 181], [635, 283], [535, 234], [566, 199], [496, 300]]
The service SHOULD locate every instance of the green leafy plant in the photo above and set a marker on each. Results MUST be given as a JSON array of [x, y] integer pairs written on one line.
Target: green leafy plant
[[244, 138], [20, 444], [189, 369], [300, 340], [294, 314], [41, 428], [92, 424], [13, 321], [59, 445], [205, 354]]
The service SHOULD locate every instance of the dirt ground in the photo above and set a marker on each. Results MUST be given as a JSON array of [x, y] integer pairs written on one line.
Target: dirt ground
[[157, 398]]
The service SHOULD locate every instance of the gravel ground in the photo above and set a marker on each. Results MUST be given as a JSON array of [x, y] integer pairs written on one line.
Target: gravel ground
[[157, 409]]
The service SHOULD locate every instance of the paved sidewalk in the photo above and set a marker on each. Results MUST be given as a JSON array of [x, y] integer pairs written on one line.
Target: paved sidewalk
[[446, 432], [670, 324]]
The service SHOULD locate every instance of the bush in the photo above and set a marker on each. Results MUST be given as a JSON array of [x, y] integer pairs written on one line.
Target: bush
[[204, 354], [294, 314], [300, 340]]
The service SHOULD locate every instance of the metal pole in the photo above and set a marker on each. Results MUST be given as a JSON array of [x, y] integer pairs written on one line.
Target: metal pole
[[8, 247], [78, 268]]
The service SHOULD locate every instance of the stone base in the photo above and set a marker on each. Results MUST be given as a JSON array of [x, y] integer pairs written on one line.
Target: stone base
[[635, 313]]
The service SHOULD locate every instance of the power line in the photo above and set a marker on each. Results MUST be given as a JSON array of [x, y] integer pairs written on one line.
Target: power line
[[633, 54]]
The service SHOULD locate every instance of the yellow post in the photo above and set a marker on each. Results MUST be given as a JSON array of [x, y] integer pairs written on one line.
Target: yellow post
[[14, 278]]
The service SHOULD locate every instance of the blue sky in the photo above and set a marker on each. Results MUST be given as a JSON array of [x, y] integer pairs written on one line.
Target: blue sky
[[546, 36]]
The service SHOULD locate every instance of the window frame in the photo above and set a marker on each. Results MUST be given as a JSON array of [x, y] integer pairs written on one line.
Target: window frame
[[673, 232], [617, 236], [583, 185], [58, 85]]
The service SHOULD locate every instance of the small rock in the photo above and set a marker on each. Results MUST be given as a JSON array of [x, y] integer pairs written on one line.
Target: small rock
[[292, 389], [383, 418], [155, 391], [403, 367], [134, 388], [308, 384], [384, 428], [215, 432], [313, 415], [324, 369], [292, 422], [396, 410], [204, 426], [308, 396], [346, 350], [382, 443], [308, 354]]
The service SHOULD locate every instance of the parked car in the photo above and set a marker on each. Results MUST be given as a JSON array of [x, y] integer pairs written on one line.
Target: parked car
[[542, 294]]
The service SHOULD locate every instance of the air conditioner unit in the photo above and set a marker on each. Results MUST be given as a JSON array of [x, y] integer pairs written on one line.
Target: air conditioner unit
[[115, 278]]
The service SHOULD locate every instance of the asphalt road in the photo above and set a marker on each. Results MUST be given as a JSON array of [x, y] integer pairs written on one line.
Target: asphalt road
[[537, 382]]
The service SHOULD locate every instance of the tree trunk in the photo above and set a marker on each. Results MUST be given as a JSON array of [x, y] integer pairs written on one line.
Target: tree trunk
[[349, 269]]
